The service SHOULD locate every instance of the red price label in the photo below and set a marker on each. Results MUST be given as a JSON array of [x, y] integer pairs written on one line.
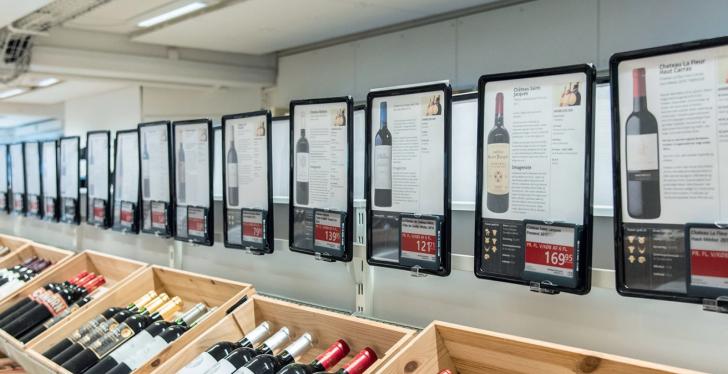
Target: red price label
[[418, 239], [252, 222], [327, 230], [709, 257], [196, 226], [126, 215], [99, 211], [34, 206], [18, 202], [159, 216], [550, 250], [50, 206]]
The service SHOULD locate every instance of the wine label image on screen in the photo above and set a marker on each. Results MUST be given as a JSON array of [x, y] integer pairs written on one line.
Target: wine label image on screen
[[407, 175], [320, 172], [534, 161], [673, 161]]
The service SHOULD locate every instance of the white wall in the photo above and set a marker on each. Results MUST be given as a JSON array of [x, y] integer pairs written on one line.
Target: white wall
[[115, 110], [183, 103]]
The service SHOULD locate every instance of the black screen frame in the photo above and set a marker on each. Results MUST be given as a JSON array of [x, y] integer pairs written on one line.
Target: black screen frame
[[24, 198], [77, 213], [170, 172], [116, 226], [89, 203], [55, 216]]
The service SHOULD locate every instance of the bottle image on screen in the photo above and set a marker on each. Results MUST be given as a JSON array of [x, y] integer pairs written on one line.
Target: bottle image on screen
[[181, 182], [642, 155], [145, 167], [89, 167], [383, 161], [302, 169], [498, 165], [232, 171]]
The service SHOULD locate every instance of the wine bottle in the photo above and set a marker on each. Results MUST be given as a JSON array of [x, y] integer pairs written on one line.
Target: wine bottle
[[95, 322], [498, 167], [96, 333], [325, 361], [4, 250], [30, 335], [232, 171], [220, 350], [160, 342], [642, 154], [97, 350], [270, 364], [181, 181], [141, 340], [359, 364], [302, 160], [145, 168], [241, 356], [383, 161], [52, 305], [17, 279]]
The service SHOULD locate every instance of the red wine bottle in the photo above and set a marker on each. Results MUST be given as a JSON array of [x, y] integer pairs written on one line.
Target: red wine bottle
[[498, 166], [232, 171], [29, 300], [30, 335], [383, 161], [359, 364], [302, 166], [325, 361], [220, 350], [270, 364], [97, 350], [95, 322], [642, 154], [96, 333], [241, 356], [51, 305]]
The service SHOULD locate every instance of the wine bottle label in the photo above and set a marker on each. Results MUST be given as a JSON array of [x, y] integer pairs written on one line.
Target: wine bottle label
[[54, 303], [222, 367], [200, 364], [302, 167], [498, 168], [232, 174], [642, 151], [111, 341], [131, 347], [383, 167], [145, 352], [88, 327]]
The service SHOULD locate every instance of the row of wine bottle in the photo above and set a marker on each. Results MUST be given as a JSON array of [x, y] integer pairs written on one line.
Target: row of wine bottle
[[121, 339], [50, 304], [243, 357], [14, 278]]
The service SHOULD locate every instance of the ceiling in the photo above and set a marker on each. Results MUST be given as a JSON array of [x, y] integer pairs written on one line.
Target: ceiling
[[11, 10], [261, 26], [65, 91]]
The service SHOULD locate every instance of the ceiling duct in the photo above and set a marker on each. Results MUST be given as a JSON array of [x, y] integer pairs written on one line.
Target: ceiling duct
[[16, 39]]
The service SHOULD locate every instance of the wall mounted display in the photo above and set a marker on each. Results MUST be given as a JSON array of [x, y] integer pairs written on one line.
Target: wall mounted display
[[533, 205], [193, 147], [670, 131], [322, 177], [49, 180], [4, 180], [17, 178], [98, 202], [156, 182], [247, 181], [33, 196], [69, 179], [126, 211], [408, 178]]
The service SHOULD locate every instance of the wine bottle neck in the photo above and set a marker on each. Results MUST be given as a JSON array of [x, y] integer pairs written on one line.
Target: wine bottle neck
[[639, 103]]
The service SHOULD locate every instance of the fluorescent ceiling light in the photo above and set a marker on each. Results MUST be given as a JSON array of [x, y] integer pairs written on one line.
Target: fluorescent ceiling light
[[11, 92], [45, 82], [181, 11]]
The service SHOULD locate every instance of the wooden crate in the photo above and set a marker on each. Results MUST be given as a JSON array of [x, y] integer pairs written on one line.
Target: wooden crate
[[324, 326], [13, 243], [466, 350], [116, 270], [191, 288], [29, 250]]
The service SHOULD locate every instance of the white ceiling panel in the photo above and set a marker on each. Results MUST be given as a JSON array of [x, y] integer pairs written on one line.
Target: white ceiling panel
[[264, 26], [11, 10], [117, 16], [65, 91]]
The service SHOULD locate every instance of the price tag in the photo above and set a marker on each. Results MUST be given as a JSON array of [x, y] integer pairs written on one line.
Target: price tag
[[159, 215], [549, 250], [197, 222], [33, 204], [420, 239], [99, 211], [3, 201], [49, 207], [253, 228], [329, 236], [708, 249], [126, 214], [18, 202], [69, 210]]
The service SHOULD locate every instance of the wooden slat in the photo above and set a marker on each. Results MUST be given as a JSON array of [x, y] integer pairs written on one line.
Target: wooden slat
[[13, 242]]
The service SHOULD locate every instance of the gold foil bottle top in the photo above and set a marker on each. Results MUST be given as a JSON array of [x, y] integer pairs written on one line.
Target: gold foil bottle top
[[168, 310], [157, 303], [144, 300]]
